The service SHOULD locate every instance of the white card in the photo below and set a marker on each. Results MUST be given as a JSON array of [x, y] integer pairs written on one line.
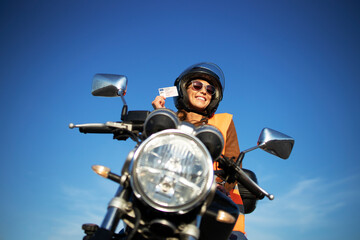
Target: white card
[[168, 92]]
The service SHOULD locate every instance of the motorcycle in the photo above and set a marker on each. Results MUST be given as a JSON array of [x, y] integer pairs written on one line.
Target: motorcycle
[[167, 187]]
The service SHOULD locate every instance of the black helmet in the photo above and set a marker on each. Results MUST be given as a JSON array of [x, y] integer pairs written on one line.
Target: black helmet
[[209, 72]]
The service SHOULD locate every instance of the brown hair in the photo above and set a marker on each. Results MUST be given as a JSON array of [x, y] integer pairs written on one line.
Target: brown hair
[[182, 115]]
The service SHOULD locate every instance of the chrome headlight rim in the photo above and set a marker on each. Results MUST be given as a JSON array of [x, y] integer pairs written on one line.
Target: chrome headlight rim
[[142, 196]]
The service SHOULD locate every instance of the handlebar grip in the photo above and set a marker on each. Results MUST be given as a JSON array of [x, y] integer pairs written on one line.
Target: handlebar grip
[[95, 130], [240, 176], [248, 183], [92, 128], [252, 186]]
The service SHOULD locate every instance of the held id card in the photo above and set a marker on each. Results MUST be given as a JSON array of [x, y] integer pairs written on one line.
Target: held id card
[[168, 92]]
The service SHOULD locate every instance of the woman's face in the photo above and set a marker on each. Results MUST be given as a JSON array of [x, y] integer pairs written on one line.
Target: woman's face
[[199, 99]]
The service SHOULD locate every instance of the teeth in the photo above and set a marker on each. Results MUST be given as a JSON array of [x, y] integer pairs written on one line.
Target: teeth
[[201, 98]]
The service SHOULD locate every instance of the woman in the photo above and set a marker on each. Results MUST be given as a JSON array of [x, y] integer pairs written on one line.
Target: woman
[[200, 88]]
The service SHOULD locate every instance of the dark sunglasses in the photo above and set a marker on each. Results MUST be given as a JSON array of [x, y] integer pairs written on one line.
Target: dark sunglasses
[[197, 86]]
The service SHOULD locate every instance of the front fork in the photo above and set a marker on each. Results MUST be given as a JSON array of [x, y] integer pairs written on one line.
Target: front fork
[[117, 207], [191, 231], [120, 205]]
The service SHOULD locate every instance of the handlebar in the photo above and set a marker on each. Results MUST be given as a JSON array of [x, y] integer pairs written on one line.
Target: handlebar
[[108, 127], [240, 176], [92, 128], [252, 186], [121, 129], [133, 121]]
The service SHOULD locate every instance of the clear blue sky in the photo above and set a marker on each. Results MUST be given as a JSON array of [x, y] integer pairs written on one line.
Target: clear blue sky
[[289, 65]]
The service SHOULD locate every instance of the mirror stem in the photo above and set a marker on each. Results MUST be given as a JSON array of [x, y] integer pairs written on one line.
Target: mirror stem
[[123, 99], [250, 149], [125, 107], [242, 154], [240, 159], [124, 112]]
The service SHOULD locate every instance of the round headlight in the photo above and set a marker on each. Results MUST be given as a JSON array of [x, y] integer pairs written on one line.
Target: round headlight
[[172, 171]]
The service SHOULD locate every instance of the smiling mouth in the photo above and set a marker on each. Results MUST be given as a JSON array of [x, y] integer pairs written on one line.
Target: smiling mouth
[[201, 98]]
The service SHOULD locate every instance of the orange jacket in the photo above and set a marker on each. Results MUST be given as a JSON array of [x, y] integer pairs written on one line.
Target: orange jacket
[[225, 124]]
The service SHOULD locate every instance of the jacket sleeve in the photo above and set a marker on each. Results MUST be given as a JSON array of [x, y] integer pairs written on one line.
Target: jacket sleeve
[[232, 145], [231, 149]]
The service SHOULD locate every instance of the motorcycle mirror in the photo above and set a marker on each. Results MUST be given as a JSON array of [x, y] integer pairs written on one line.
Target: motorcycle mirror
[[109, 85], [276, 143]]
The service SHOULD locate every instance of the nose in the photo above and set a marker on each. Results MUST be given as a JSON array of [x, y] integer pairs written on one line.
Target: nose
[[203, 90]]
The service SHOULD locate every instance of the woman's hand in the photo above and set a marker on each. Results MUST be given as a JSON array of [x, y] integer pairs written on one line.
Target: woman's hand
[[159, 102]]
